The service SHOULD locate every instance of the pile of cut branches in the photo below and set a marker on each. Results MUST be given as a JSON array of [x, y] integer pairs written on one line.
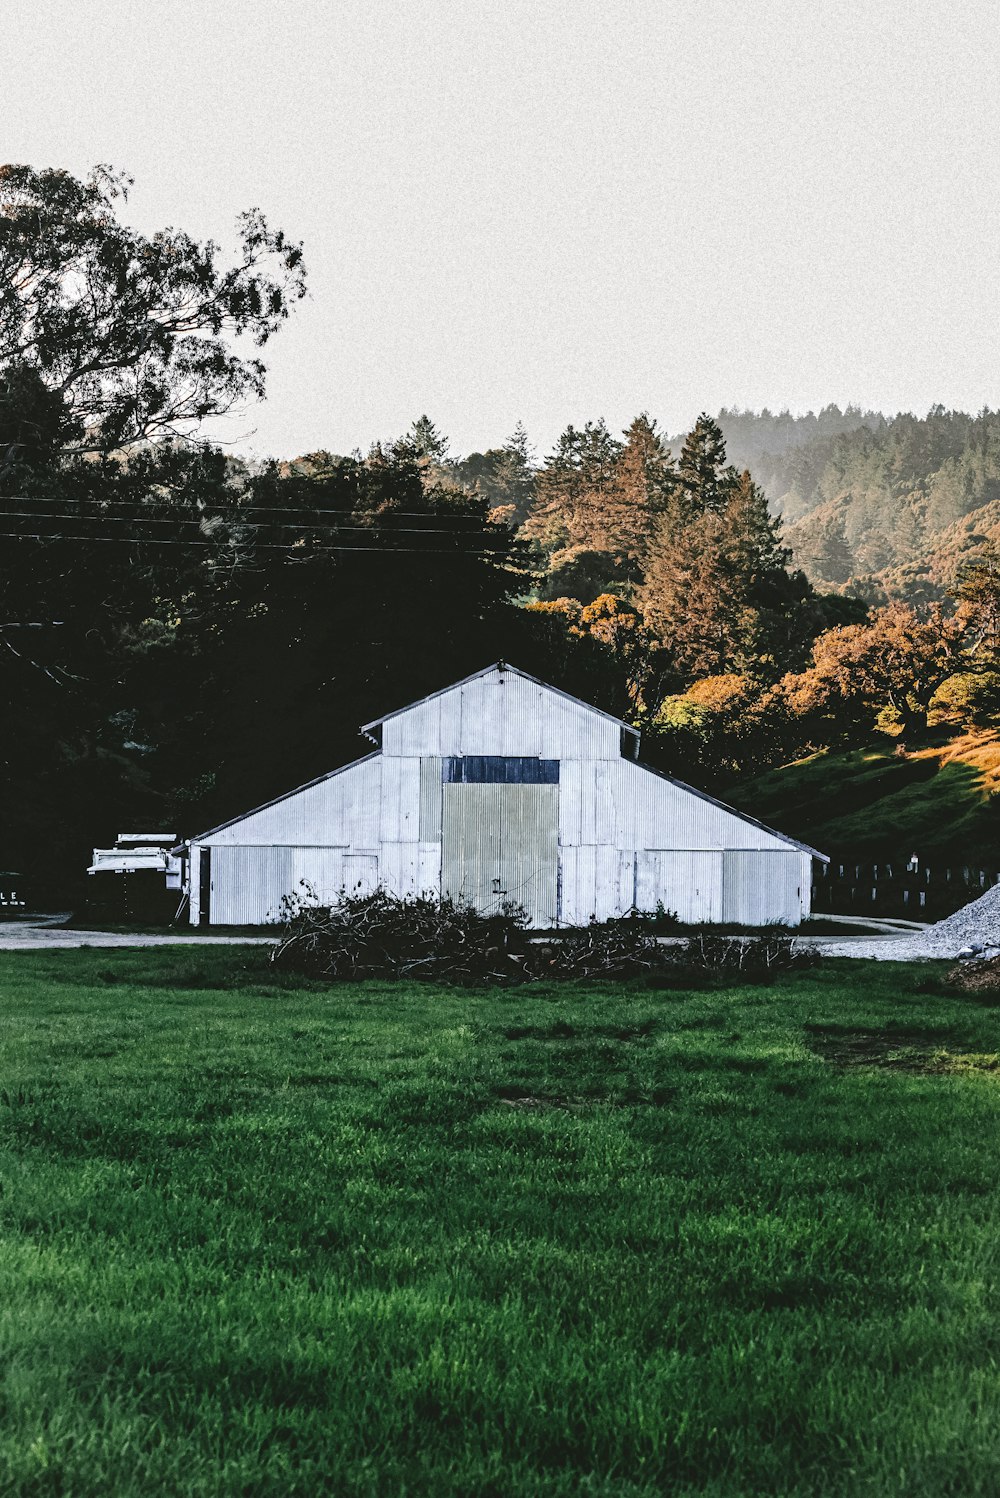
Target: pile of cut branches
[[611, 949], [448, 941], [417, 936], [708, 959]]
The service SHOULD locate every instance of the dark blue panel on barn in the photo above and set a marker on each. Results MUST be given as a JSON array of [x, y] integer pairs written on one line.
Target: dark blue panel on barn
[[499, 769]]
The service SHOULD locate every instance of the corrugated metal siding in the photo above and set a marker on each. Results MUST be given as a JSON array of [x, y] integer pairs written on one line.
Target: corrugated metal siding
[[318, 873], [530, 830], [500, 842], [687, 883], [649, 812], [430, 799], [762, 887], [428, 868], [361, 873], [342, 809], [501, 713], [400, 868], [248, 884], [470, 843]]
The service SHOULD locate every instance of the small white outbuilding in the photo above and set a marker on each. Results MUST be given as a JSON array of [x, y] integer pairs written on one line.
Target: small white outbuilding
[[502, 788]]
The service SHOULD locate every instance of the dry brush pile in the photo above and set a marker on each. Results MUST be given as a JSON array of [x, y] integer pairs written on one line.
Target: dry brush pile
[[421, 937]]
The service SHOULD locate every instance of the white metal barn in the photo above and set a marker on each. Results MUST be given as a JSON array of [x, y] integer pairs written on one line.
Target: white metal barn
[[503, 788]]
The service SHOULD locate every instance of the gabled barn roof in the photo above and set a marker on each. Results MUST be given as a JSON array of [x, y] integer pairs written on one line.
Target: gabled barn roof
[[501, 667]]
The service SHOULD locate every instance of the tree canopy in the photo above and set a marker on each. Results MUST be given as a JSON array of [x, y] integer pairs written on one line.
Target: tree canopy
[[129, 334]]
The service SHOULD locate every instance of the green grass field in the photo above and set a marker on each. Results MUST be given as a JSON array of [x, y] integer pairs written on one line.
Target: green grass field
[[259, 1239]]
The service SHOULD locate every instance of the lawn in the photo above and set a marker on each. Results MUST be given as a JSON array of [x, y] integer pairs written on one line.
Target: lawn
[[270, 1240]]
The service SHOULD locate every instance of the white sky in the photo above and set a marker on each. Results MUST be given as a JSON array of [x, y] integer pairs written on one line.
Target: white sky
[[557, 209]]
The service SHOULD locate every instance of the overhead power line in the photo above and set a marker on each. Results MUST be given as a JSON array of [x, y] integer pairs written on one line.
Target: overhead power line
[[284, 525], [289, 549], [54, 499]]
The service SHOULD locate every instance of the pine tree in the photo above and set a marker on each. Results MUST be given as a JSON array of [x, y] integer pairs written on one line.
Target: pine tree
[[428, 442], [515, 473], [572, 489], [701, 469], [717, 591], [644, 483], [833, 560]]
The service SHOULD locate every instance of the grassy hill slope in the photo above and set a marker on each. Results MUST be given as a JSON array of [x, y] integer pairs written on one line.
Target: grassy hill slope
[[942, 801]]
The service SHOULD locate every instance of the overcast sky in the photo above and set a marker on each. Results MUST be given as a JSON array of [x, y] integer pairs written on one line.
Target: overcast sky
[[551, 210]]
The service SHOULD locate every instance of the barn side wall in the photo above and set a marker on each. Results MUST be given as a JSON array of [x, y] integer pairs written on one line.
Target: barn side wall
[[630, 839]]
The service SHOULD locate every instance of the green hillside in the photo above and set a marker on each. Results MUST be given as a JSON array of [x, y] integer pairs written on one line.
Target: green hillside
[[942, 802]]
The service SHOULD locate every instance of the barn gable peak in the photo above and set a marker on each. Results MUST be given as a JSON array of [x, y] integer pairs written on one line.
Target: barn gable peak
[[500, 669]]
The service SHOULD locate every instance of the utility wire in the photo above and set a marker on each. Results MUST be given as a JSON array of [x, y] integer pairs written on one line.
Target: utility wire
[[289, 549], [55, 499], [283, 525]]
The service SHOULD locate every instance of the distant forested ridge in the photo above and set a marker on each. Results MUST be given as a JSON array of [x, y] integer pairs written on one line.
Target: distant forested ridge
[[874, 505], [884, 506]]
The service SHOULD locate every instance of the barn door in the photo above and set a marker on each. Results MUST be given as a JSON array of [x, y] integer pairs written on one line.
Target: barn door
[[500, 840]]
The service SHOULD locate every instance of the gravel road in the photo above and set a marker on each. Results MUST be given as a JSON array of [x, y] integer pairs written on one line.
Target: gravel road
[[48, 932], [976, 925]]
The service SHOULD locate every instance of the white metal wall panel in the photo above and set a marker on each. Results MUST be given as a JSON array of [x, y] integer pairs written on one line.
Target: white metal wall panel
[[344, 808], [400, 868], [652, 812], [626, 882], [607, 883], [571, 776], [418, 730], [318, 873], [762, 887], [579, 885], [451, 723], [361, 873], [324, 874], [400, 809], [502, 713], [248, 884], [687, 883], [429, 868]]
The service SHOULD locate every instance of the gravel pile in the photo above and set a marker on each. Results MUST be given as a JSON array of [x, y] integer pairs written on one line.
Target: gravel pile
[[976, 925]]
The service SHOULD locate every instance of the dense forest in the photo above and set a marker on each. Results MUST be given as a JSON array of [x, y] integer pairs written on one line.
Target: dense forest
[[184, 634]]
